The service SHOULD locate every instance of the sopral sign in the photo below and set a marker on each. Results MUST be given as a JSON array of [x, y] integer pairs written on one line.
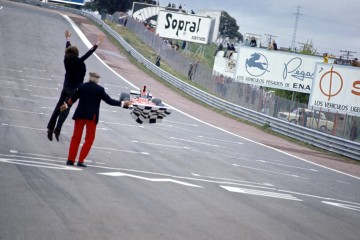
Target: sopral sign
[[181, 26], [275, 69], [336, 88]]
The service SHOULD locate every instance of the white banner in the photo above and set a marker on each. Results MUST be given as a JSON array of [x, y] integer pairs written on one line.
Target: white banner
[[181, 26], [336, 88], [224, 65], [275, 69]]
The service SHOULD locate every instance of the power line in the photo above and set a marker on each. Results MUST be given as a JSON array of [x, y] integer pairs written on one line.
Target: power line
[[332, 21]]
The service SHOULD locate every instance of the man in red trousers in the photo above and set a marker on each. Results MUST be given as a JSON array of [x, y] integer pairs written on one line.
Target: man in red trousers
[[86, 114]]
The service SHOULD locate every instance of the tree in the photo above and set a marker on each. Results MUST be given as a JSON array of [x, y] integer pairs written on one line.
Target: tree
[[308, 48], [110, 6], [229, 27], [296, 96]]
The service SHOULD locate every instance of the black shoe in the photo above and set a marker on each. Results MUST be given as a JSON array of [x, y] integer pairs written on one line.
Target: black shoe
[[69, 162], [57, 134], [50, 135], [79, 164]]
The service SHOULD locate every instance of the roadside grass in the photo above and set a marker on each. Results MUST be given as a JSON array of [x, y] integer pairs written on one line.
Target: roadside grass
[[208, 59]]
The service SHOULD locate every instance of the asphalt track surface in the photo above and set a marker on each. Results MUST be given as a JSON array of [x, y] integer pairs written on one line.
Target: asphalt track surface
[[185, 178]]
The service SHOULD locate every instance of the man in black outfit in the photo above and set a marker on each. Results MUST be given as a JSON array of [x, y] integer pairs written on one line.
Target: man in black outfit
[[75, 70]]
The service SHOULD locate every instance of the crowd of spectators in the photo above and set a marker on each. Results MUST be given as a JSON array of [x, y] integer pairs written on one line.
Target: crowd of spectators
[[172, 44], [181, 8]]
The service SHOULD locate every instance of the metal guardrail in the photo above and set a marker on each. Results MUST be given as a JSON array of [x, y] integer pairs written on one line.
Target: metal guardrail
[[321, 140]]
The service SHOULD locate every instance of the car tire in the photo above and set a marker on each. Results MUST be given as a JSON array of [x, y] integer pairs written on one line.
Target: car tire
[[323, 129], [293, 121], [124, 97], [157, 101]]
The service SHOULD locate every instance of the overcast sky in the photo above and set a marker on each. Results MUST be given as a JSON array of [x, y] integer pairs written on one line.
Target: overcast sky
[[332, 26]]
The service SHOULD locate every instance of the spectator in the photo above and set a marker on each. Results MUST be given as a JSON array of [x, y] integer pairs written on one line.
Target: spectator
[[176, 45], [231, 51], [86, 115], [275, 106], [355, 62], [272, 45], [75, 70], [302, 118], [246, 43], [226, 86], [228, 48], [326, 58], [195, 68], [183, 46], [157, 62], [190, 72], [220, 81], [353, 131], [253, 42]]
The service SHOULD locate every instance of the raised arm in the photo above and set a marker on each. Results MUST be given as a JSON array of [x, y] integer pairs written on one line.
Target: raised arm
[[67, 36], [92, 50]]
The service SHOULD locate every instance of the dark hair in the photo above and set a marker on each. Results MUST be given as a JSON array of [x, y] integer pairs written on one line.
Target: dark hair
[[71, 52]]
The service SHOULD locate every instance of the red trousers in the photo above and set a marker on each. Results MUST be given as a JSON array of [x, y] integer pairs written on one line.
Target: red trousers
[[76, 139]]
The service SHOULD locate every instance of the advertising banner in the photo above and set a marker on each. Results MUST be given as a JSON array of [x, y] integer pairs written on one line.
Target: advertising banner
[[336, 88], [182, 26], [275, 69], [224, 65]]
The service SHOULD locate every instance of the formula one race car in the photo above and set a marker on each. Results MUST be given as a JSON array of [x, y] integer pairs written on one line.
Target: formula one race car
[[144, 108]]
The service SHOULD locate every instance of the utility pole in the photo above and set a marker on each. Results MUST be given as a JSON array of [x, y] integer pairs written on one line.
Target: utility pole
[[295, 28], [347, 54]]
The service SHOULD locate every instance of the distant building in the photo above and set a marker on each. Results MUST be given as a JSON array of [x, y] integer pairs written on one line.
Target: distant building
[[215, 14]]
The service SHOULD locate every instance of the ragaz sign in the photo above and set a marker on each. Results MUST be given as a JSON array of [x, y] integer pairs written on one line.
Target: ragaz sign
[[275, 69]]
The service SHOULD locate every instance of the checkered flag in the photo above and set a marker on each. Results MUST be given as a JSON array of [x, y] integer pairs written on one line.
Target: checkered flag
[[149, 114]]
